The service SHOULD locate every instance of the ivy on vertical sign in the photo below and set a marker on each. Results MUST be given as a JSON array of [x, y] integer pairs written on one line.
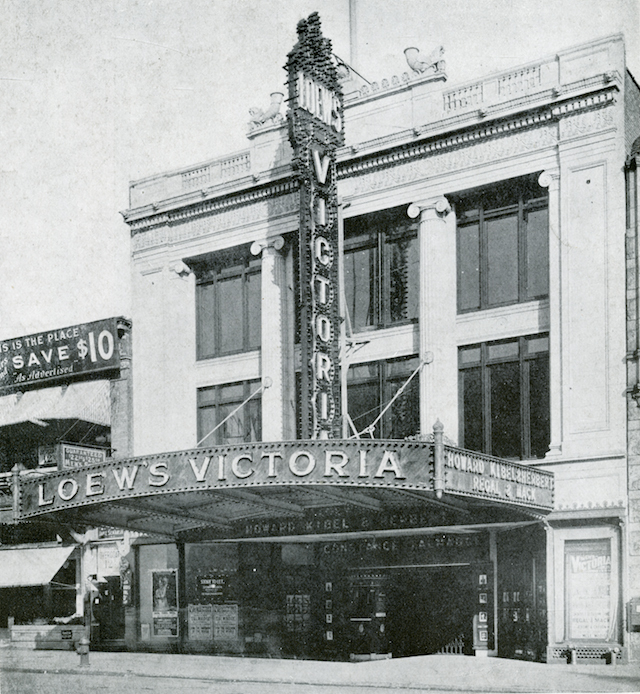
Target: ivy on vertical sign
[[315, 120]]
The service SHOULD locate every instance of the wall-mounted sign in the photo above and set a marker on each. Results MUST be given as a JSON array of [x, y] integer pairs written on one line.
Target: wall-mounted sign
[[225, 622], [211, 587], [351, 463], [315, 131], [591, 598], [164, 586], [66, 456], [58, 356], [474, 474], [200, 623]]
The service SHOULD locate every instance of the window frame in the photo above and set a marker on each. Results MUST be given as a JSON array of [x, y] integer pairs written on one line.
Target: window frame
[[481, 208], [248, 387], [211, 274], [376, 232], [524, 358], [383, 382]]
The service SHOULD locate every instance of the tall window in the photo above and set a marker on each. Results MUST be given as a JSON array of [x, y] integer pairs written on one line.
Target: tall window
[[381, 269], [503, 245], [228, 305], [504, 397], [216, 403], [371, 386]]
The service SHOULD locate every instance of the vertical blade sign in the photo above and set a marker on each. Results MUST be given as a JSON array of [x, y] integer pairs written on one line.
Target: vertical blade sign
[[315, 131]]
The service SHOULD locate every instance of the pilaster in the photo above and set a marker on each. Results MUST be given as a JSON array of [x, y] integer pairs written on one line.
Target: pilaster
[[273, 337], [437, 345], [551, 181]]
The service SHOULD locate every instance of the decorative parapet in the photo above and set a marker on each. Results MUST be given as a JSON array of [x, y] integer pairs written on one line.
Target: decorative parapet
[[464, 98], [199, 177]]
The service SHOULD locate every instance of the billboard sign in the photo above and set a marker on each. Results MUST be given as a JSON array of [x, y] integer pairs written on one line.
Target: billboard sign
[[54, 357]]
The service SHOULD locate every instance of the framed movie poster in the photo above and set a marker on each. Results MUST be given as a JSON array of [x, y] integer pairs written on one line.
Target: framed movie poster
[[165, 602]]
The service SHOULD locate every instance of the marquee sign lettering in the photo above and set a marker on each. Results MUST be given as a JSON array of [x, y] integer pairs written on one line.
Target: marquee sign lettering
[[56, 356], [315, 130], [473, 474], [356, 464]]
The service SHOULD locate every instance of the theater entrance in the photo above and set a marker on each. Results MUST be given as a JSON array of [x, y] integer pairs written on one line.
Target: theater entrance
[[412, 611], [431, 610]]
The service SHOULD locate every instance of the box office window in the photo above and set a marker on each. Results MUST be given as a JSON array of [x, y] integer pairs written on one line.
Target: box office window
[[381, 269], [371, 386], [502, 246], [228, 297], [222, 407], [504, 397]]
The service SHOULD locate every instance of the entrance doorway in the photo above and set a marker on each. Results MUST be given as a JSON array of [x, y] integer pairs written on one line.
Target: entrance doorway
[[430, 609]]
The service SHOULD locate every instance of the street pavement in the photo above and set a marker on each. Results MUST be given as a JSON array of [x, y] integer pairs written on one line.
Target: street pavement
[[61, 672]]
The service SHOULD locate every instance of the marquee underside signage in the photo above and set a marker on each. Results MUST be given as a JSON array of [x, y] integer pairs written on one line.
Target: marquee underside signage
[[403, 466]]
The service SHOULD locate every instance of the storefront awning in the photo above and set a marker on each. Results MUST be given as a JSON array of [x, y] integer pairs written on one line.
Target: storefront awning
[[33, 566], [89, 401]]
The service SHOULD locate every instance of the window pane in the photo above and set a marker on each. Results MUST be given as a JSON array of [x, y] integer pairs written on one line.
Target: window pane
[[205, 310], [358, 287], [468, 267], [470, 355], [254, 418], [402, 367], [539, 406], [362, 372], [402, 265], [206, 422], [502, 259], [254, 295], [231, 329], [364, 405], [232, 393], [403, 417], [232, 431], [537, 253], [472, 409], [206, 396], [537, 344], [503, 350], [505, 410]]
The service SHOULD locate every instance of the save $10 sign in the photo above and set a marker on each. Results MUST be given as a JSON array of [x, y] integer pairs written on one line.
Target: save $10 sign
[[55, 356]]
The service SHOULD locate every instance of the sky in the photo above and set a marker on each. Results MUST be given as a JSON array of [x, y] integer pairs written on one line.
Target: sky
[[97, 93]]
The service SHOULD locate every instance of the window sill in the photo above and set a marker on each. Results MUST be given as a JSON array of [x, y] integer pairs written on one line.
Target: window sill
[[232, 368], [506, 321]]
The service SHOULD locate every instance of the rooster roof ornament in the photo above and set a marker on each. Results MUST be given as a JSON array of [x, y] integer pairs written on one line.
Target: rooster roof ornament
[[423, 64]]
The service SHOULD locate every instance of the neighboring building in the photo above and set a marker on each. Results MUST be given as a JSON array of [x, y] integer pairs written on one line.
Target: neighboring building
[[460, 260], [64, 405]]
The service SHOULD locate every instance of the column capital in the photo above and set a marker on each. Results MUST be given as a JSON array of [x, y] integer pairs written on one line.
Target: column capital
[[549, 179], [439, 206], [276, 243]]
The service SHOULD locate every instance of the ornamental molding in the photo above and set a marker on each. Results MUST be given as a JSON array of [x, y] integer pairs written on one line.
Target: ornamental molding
[[476, 154], [549, 115], [586, 123], [181, 227], [269, 193]]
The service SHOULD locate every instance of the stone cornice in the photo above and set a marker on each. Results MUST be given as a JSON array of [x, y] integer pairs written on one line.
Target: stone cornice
[[551, 112], [219, 204], [373, 155]]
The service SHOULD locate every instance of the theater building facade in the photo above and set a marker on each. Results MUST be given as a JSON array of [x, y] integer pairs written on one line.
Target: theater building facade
[[380, 372]]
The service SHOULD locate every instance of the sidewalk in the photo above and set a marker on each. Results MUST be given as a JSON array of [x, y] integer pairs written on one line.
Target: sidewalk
[[443, 672]]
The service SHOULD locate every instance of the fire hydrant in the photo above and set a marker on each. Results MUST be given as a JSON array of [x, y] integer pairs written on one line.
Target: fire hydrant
[[82, 649]]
